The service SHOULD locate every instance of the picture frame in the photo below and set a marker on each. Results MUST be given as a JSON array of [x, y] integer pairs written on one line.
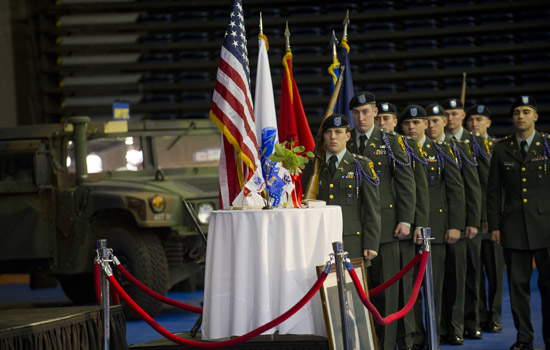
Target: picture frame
[[361, 324]]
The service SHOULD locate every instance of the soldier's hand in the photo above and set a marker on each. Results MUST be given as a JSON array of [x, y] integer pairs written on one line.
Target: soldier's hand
[[452, 235], [369, 254], [495, 236], [401, 231], [417, 236], [485, 226], [471, 232]]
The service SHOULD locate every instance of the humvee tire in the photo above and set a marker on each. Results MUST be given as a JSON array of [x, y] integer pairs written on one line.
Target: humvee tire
[[142, 254]]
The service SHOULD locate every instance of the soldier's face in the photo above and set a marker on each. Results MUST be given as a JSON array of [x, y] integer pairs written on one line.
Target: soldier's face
[[415, 128], [436, 127], [525, 118], [363, 117], [478, 123], [454, 119], [336, 139], [387, 122]]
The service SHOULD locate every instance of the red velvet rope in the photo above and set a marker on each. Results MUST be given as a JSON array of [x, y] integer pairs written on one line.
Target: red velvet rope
[[397, 276], [226, 343], [114, 295], [154, 294], [97, 286], [401, 313]]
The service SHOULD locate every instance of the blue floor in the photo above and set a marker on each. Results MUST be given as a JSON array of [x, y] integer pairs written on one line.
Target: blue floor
[[176, 320]]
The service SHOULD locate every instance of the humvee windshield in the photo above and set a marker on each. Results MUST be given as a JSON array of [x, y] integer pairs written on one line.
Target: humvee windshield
[[125, 153]]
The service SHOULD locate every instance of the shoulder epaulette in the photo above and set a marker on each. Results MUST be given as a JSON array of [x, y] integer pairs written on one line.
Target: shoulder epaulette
[[389, 132], [504, 138], [358, 156]]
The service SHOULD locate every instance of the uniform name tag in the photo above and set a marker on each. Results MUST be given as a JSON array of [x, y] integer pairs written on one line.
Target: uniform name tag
[[511, 164]]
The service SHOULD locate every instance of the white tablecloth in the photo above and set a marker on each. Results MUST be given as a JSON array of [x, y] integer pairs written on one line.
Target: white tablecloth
[[259, 263]]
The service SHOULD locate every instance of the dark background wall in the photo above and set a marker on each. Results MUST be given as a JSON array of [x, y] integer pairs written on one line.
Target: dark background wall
[[74, 57]]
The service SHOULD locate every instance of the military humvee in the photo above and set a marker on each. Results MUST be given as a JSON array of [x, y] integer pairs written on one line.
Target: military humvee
[[138, 184]]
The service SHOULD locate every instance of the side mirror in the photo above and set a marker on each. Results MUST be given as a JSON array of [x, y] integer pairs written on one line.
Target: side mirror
[[42, 169]]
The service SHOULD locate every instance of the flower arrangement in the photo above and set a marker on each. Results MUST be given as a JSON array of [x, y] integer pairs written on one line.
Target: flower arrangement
[[291, 158]]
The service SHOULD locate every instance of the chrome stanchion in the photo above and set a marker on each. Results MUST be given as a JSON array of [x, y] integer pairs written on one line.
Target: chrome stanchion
[[429, 291], [105, 255], [341, 280]]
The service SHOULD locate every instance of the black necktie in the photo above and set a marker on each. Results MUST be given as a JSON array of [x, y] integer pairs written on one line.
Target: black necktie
[[332, 165], [522, 148], [362, 142]]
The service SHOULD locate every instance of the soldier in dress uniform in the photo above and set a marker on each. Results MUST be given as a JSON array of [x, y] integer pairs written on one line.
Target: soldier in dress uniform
[[518, 208], [463, 256], [387, 120], [392, 165], [348, 180], [446, 197], [478, 120]]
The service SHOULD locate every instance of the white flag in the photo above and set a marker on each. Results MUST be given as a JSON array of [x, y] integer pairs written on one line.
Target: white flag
[[264, 103]]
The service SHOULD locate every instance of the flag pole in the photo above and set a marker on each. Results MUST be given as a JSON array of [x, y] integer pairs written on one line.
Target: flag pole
[[313, 183], [261, 25]]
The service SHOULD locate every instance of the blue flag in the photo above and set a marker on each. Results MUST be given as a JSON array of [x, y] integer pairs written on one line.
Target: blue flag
[[346, 91]]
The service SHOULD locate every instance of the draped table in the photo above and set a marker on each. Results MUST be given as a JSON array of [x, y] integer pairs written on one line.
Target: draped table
[[259, 263]]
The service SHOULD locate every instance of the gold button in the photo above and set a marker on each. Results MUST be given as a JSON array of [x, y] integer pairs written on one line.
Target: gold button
[[524, 180], [524, 200], [391, 206], [432, 168], [379, 163], [540, 168], [524, 190], [523, 169], [507, 168], [349, 186], [331, 196], [358, 233], [441, 210], [331, 185]]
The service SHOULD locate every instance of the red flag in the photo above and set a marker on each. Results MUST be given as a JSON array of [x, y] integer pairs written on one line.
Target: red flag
[[293, 123], [232, 110]]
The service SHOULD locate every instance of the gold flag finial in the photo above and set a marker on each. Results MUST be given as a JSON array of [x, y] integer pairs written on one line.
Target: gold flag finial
[[346, 23], [287, 36], [261, 25]]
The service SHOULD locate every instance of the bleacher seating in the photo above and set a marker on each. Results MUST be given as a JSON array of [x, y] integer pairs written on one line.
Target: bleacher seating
[[162, 56]]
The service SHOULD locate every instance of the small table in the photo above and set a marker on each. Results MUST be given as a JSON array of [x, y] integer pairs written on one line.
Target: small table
[[259, 263]]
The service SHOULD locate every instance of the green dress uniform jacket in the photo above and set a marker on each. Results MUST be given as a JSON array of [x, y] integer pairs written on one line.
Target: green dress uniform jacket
[[396, 181], [360, 203], [421, 212], [446, 190], [523, 219], [472, 186], [483, 156]]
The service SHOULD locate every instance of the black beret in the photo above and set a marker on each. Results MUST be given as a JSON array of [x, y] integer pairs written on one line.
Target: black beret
[[524, 101], [335, 121], [386, 108], [478, 110], [362, 98], [452, 103], [435, 110], [412, 112]]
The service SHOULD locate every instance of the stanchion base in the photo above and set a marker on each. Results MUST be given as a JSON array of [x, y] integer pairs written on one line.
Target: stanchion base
[[276, 341]]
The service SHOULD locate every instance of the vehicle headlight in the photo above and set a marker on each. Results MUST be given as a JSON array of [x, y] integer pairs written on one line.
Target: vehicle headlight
[[204, 210], [157, 204]]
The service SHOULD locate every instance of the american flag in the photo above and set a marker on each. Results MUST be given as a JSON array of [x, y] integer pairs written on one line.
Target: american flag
[[232, 110]]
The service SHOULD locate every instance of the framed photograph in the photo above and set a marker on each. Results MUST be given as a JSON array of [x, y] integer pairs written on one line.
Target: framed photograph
[[361, 325]]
